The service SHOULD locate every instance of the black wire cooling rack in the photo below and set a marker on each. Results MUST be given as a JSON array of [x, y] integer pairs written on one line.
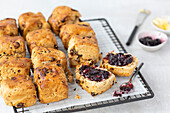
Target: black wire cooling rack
[[111, 102]]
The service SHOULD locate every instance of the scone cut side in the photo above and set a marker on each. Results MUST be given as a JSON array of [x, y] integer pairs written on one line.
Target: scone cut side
[[94, 87], [126, 70]]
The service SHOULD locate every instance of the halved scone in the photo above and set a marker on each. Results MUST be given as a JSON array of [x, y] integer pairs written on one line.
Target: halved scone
[[121, 64], [94, 80]]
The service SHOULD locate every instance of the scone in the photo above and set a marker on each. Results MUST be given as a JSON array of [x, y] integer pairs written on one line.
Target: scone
[[50, 56], [11, 67], [18, 91], [94, 80], [121, 64], [51, 83], [63, 15], [8, 26], [68, 30], [12, 46], [81, 49], [32, 21], [41, 37]]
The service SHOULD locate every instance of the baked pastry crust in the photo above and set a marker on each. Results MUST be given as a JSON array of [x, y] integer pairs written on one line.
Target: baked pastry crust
[[18, 91], [32, 21], [68, 30], [50, 56], [92, 87], [81, 49], [8, 26], [63, 15], [51, 82], [11, 66], [126, 70], [12, 46], [41, 37]]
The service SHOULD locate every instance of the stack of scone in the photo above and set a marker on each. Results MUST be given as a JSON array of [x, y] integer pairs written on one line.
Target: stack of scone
[[17, 88]]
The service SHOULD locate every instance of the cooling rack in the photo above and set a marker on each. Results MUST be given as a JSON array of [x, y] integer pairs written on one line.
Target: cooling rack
[[101, 27]]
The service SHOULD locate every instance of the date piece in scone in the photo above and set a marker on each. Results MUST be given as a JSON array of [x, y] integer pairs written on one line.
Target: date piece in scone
[[18, 91], [121, 64], [41, 37], [12, 46], [81, 49], [51, 82], [50, 56], [11, 67], [68, 30], [8, 26], [63, 15], [32, 21], [94, 80]]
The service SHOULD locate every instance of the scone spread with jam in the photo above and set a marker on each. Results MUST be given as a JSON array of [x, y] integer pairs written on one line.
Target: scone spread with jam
[[51, 82], [41, 37], [8, 26], [12, 46], [63, 15], [81, 29], [121, 64], [32, 21], [81, 49], [94, 80], [18, 91]]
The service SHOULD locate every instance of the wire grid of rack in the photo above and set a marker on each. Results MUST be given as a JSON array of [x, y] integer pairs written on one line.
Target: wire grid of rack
[[111, 102]]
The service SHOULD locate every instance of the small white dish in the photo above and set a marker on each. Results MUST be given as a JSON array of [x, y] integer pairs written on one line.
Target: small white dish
[[159, 29], [155, 35]]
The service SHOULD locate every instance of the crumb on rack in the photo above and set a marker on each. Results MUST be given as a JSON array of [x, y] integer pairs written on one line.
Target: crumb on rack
[[77, 97], [74, 89]]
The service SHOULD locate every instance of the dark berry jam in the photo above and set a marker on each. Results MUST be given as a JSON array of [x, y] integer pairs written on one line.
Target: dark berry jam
[[93, 73], [119, 59], [128, 86], [148, 41]]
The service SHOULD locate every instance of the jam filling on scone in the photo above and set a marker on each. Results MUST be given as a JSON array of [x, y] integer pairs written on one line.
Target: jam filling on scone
[[93, 73], [119, 59]]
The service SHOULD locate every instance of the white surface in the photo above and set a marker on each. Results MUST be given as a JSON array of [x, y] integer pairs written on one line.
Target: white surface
[[155, 35], [121, 14]]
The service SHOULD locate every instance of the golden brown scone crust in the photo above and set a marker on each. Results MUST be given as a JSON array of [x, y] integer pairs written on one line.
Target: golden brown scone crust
[[41, 55], [18, 91], [32, 21], [63, 15], [51, 82], [92, 87], [126, 70], [81, 49], [8, 26], [12, 46], [50, 56], [68, 30], [41, 37], [11, 66]]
